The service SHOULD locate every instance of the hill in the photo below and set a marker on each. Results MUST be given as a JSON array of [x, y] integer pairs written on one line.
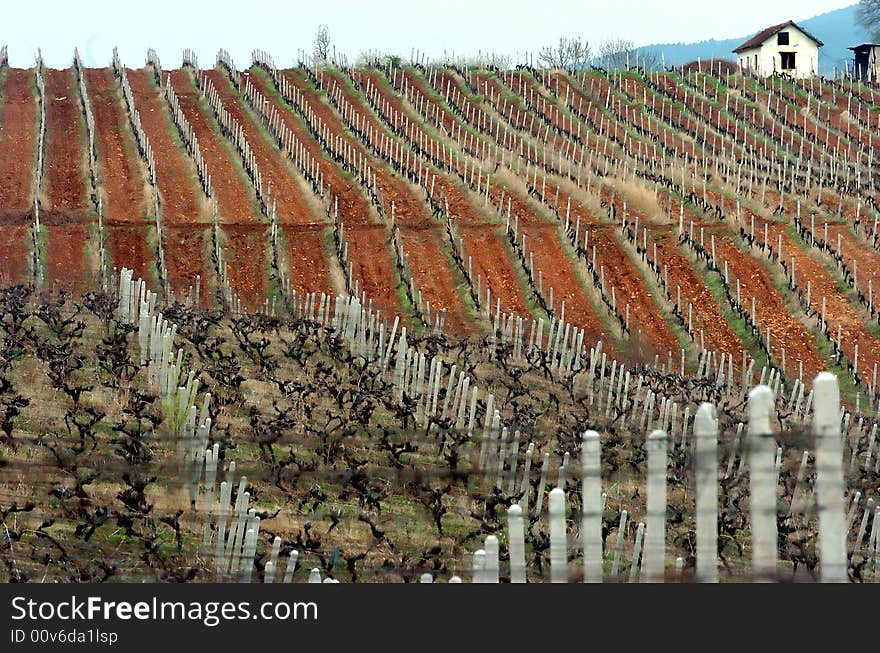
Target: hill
[[837, 29]]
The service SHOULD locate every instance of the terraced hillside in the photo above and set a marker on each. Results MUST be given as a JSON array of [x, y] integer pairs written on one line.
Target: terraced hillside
[[649, 209], [702, 229]]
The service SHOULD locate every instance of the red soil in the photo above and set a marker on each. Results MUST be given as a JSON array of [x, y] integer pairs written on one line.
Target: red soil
[[18, 114], [306, 251], [867, 260], [306, 244], [176, 177], [491, 261], [14, 247], [67, 265], [755, 281], [235, 198], [418, 90], [66, 170], [236, 203], [187, 254], [707, 315], [66, 166], [179, 192], [422, 237], [473, 227], [245, 250], [353, 206], [433, 277], [718, 334], [122, 179], [127, 245], [558, 273], [838, 310], [18, 146], [369, 253], [646, 316], [291, 207]]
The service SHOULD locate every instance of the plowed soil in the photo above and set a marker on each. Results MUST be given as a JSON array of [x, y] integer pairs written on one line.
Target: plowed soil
[[236, 201], [175, 175], [18, 146], [291, 206], [647, 323], [549, 256], [423, 246], [14, 249], [785, 330], [121, 176], [717, 333], [246, 258], [127, 245], [838, 310], [66, 168], [68, 266], [18, 150], [66, 172], [306, 251], [187, 254], [179, 191]]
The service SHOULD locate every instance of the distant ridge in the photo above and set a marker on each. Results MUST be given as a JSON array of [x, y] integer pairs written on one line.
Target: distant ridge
[[837, 29]]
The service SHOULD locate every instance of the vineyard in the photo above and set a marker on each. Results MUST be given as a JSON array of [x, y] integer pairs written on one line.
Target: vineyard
[[436, 322]]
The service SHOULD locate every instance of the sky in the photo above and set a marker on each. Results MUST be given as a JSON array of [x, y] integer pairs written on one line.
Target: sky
[[435, 28]]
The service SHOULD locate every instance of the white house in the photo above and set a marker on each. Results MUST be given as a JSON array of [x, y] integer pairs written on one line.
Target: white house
[[784, 48]]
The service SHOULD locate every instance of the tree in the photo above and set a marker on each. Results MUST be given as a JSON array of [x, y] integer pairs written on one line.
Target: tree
[[621, 54], [570, 53], [322, 43], [868, 16], [617, 54]]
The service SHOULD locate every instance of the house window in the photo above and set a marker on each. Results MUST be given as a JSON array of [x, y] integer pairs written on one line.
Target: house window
[[787, 60], [782, 38]]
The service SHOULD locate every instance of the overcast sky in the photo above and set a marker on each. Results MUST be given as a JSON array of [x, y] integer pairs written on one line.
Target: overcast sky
[[284, 27]]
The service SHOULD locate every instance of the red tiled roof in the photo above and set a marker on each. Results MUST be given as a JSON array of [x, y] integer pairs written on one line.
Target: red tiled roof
[[765, 34]]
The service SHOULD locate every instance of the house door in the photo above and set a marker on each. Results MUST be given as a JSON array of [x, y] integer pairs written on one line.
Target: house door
[[787, 60]]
